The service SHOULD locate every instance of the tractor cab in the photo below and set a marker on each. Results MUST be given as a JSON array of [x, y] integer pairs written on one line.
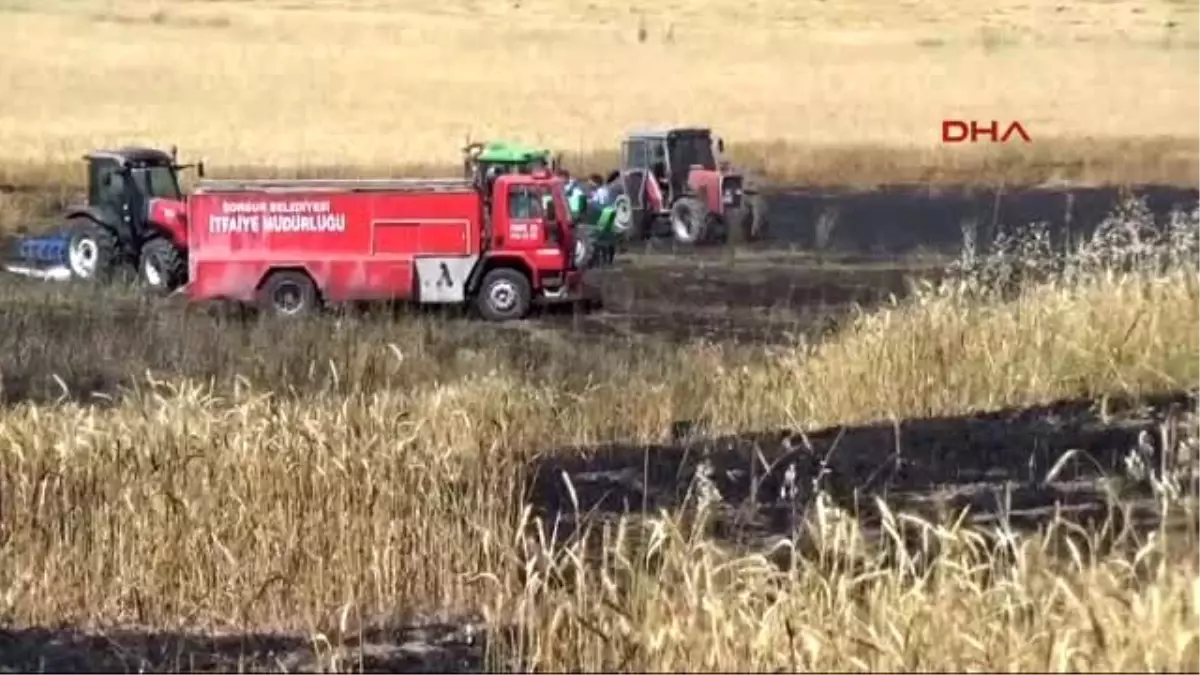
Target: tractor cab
[[668, 157], [673, 178], [122, 183], [482, 162]]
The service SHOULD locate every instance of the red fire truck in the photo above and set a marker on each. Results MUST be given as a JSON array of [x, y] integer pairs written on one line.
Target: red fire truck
[[288, 246]]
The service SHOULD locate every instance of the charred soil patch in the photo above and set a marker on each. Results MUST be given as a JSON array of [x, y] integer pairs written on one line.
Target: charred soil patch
[[902, 219], [749, 296], [74, 342], [1015, 469]]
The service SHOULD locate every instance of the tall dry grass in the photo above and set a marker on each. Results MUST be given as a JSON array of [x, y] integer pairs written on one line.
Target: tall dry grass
[[361, 475], [824, 92]]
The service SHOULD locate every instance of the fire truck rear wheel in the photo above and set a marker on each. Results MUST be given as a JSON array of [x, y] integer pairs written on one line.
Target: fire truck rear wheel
[[504, 295], [288, 294]]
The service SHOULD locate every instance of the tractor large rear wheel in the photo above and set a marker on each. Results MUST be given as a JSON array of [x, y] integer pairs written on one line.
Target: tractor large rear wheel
[[162, 266], [92, 252], [689, 220]]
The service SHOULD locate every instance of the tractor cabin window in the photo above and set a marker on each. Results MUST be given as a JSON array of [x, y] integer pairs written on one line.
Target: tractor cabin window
[[157, 181], [105, 181], [689, 150], [637, 154], [112, 189], [659, 165]]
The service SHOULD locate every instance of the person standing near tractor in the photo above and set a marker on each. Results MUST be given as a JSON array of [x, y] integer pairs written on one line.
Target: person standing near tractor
[[577, 203], [600, 191], [576, 197], [601, 204]]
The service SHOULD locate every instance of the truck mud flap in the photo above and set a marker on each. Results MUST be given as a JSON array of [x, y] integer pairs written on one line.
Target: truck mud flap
[[444, 279]]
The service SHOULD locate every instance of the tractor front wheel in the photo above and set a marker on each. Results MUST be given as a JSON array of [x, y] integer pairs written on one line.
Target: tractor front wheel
[[689, 219], [92, 251], [162, 267]]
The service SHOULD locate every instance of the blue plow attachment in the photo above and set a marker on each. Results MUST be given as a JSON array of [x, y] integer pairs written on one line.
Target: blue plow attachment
[[41, 256]]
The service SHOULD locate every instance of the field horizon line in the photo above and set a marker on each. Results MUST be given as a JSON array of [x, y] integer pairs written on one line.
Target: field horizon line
[[1063, 162]]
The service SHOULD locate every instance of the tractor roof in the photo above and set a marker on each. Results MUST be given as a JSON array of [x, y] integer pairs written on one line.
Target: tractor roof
[[659, 134], [131, 155], [503, 152]]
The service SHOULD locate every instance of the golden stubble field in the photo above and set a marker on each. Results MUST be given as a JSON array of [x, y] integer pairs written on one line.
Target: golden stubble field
[[820, 91]]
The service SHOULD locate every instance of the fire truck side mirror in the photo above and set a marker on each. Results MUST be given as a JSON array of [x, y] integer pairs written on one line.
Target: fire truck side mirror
[[720, 144], [200, 168]]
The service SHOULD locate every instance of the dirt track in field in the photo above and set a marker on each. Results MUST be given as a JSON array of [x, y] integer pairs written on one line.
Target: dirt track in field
[[755, 296]]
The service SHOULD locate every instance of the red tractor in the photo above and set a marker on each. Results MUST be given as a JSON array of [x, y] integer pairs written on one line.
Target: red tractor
[[676, 187], [134, 218]]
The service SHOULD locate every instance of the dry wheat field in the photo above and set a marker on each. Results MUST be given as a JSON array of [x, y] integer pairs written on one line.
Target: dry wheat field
[[803, 90], [761, 460]]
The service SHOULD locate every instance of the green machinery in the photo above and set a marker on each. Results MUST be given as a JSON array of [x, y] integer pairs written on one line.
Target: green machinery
[[596, 228]]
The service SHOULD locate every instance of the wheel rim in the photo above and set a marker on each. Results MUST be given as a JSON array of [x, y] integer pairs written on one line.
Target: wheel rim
[[82, 255], [502, 296], [681, 221], [622, 214], [288, 298], [150, 270]]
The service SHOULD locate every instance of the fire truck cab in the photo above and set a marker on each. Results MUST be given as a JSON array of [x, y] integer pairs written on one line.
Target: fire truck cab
[[289, 246]]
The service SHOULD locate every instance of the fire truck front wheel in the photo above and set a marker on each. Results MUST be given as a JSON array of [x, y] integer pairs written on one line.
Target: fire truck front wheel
[[504, 295], [288, 293]]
